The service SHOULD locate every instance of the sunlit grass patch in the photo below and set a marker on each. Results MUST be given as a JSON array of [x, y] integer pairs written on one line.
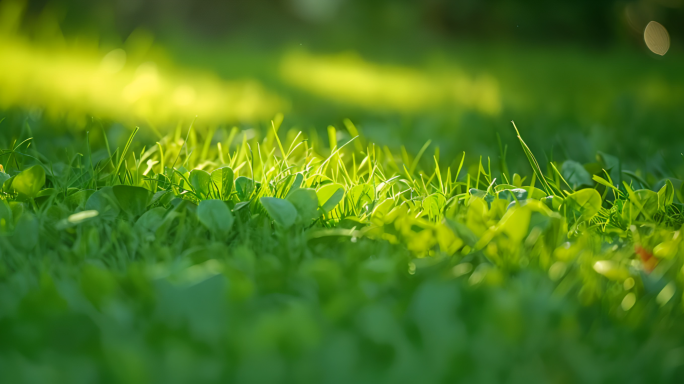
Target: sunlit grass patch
[[70, 81], [75, 79], [348, 78]]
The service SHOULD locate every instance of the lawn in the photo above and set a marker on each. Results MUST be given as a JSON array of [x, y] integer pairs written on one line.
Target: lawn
[[219, 211], [292, 258]]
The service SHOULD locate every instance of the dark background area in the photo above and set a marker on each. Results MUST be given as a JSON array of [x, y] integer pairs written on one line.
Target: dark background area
[[594, 23]]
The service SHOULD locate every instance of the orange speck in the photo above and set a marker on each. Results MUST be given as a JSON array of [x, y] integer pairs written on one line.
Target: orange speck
[[646, 258]]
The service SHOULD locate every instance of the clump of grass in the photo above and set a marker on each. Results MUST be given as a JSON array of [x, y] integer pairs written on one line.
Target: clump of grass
[[286, 259]]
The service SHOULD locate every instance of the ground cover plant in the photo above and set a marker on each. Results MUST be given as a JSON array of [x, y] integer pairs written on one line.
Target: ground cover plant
[[209, 256]]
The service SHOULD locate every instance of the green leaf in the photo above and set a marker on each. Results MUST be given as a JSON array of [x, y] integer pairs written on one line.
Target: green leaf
[[201, 183], [534, 193], [586, 203], [515, 223], [296, 183], [223, 179], [603, 181], [463, 232], [46, 192], [244, 187], [104, 202], [132, 200], [305, 202], [215, 215], [44, 195], [501, 187], [380, 212], [329, 196], [433, 205], [642, 201], [281, 211], [29, 182], [515, 194], [518, 181], [162, 198], [666, 195], [482, 195], [78, 199], [553, 202], [150, 220], [478, 193], [575, 174]]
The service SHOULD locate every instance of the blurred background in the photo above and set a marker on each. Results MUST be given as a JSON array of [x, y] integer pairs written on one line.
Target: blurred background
[[576, 77]]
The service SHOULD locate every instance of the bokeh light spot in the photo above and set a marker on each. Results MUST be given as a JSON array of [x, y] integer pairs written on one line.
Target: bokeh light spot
[[629, 283], [666, 294], [628, 302], [657, 39]]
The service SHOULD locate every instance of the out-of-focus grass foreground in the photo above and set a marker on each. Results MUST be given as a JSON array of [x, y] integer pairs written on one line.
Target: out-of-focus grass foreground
[[333, 192]]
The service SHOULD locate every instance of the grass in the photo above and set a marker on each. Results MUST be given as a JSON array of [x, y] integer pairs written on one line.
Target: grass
[[346, 254], [571, 100], [210, 256]]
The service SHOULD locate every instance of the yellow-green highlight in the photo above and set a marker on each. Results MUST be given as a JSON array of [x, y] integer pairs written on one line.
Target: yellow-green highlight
[[76, 79], [348, 78]]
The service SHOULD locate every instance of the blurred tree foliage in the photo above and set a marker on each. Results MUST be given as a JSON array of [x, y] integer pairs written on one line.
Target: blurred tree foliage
[[585, 21]]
